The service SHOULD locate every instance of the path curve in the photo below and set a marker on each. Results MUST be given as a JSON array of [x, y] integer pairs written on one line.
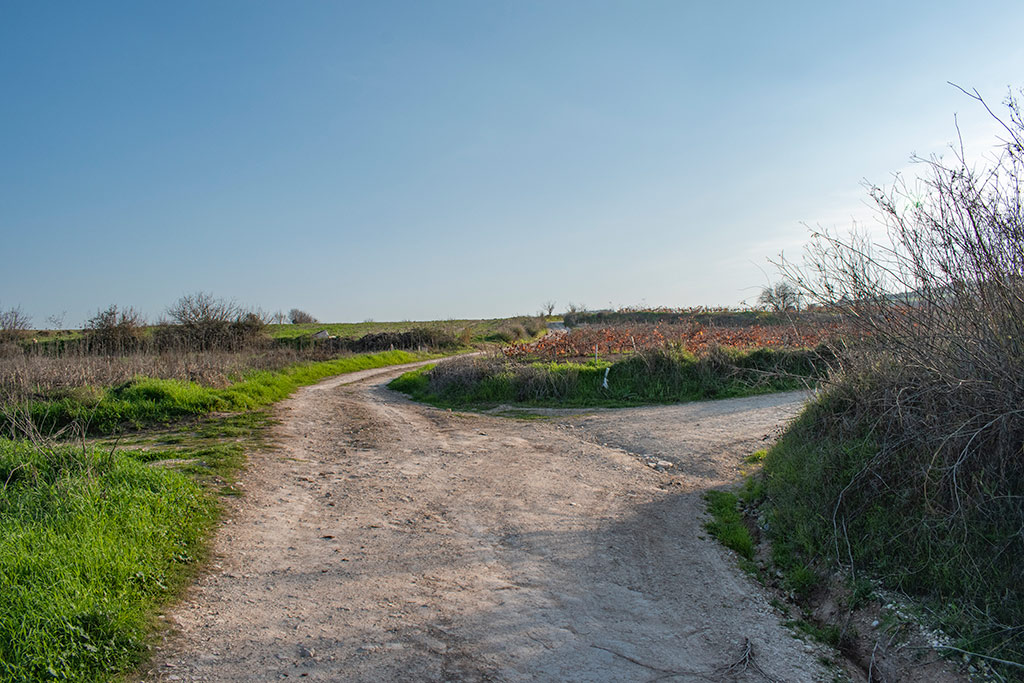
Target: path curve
[[383, 540]]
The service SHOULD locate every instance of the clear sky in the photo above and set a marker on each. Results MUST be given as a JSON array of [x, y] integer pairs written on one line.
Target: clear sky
[[431, 160]]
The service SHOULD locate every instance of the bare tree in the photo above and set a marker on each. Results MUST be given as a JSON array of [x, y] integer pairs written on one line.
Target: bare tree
[[549, 307], [780, 297], [299, 317], [576, 308], [57, 320]]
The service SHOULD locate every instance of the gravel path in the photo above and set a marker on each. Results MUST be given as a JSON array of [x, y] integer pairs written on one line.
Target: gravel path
[[383, 540]]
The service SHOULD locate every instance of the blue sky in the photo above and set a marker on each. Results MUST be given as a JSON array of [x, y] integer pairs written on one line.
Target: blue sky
[[415, 160]]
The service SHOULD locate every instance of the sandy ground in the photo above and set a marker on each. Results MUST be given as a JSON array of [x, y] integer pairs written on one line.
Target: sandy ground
[[387, 541]]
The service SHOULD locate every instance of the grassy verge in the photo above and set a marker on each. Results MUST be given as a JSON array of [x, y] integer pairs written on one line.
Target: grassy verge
[[94, 539], [644, 378], [147, 401], [833, 500], [90, 542]]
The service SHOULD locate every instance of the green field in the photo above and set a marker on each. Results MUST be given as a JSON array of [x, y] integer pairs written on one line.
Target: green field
[[478, 330], [471, 330]]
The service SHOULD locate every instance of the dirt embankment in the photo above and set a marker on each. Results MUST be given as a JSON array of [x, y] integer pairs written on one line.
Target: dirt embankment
[[388, 541]]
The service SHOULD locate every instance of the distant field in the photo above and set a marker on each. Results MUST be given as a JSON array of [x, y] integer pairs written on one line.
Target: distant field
[[473, 331], [709, 317], [478, 328]]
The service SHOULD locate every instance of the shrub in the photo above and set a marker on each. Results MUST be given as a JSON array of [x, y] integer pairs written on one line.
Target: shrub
[[515, 329], [911, 463], [534, 325], [461, 375], [199, 322], [417, 338], [574, 314], [13, 324], [114, 332], [299, 317]]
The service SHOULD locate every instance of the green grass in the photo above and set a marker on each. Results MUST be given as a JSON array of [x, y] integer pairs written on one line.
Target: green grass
[[90, 543], [146, 401], [967, 572], [726, 523], [666, 377]]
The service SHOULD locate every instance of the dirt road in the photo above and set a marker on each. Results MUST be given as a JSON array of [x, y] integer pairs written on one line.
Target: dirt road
[[387, 541]]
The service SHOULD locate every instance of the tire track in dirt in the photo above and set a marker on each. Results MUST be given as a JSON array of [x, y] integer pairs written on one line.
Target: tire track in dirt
[[384, 540]]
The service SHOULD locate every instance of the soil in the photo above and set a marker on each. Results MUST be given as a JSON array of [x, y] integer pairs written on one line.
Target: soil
[[383, 540]]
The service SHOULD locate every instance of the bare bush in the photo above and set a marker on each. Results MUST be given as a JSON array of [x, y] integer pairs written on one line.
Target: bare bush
[[200, 322], [935, 380], [463, 374], [202, 309], [13, 324], [115, 331], [299, 317]]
